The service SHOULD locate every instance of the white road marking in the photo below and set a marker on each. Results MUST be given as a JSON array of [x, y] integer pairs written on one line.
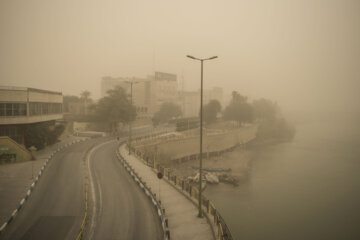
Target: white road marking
[[93, 215]]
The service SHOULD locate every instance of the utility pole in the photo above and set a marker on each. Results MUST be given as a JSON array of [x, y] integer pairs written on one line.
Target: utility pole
[[130, 122], [201, 128]]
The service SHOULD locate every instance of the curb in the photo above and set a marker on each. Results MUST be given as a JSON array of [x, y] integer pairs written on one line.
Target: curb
[[86, 191], [32, 186], [147, 191]]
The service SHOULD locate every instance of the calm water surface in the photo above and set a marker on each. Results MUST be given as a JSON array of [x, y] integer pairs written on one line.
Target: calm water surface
[[306, 189]]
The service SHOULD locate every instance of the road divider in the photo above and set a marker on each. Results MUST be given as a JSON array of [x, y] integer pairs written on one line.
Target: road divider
[[32, 186], [86, 192]]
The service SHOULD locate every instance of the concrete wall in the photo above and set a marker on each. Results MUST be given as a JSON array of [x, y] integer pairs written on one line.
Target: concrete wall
[[30, 119], [13, 95], [45, 97], [10, 147], [17, 94], [175, 149]]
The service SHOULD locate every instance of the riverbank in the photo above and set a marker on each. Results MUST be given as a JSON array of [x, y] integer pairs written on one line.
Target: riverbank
[[303, 189], [238, 161]]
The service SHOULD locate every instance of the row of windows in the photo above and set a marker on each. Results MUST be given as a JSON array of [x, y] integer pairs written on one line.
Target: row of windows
[[12, 109], [45, 108], [13, 132], [9, 131], [19, 109], [141, 109]]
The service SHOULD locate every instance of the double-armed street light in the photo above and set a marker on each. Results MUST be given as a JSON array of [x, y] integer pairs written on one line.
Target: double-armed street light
[[131, 102], [201, 127]]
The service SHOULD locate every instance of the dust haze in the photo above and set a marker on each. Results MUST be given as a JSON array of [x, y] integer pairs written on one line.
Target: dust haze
[[302, 54]]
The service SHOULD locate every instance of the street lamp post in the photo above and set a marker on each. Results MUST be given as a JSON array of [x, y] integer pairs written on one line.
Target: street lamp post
[[201, 127], [131, 102]]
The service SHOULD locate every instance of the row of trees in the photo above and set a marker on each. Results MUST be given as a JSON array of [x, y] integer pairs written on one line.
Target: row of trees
[[116, 108], [271, 125], [240, 110]]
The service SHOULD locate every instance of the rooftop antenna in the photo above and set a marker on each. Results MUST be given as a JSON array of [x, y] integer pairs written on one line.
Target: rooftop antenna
[[182, 81], [154, 60]]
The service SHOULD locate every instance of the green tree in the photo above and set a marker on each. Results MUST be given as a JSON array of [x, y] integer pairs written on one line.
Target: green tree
[[211, 110], [265, 109], [113, 109], [168, 111], [41, 135], [239, 109], [85, 95], [69, 99], [85, 98]]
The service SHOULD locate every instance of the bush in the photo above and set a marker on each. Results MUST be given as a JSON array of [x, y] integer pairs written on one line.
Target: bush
[[41, 135]]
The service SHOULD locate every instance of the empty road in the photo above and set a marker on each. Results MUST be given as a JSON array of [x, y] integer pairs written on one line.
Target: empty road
[[118, 208], [122, 210], [56, 206]]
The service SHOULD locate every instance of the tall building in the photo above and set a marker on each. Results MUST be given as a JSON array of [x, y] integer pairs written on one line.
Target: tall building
[[148, 93], [216, 93], [20, 108], [190, 101]]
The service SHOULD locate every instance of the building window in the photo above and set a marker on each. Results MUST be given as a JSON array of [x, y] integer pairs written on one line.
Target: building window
[[2, 109], [12, 109], [16, 109], [45, 108], [9, 111], [22, 109]]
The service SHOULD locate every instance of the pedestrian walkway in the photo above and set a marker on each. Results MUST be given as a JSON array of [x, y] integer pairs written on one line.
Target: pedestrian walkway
[[180, 211]]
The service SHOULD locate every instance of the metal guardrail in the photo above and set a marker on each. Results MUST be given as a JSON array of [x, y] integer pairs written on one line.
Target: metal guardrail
[[157, 204], [223, 232]]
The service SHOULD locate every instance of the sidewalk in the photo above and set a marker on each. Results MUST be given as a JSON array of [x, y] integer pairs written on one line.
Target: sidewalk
[[16, 178], [180, 212]]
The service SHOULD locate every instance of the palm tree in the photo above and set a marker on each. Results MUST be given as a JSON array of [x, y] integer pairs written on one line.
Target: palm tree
[[85, 96]]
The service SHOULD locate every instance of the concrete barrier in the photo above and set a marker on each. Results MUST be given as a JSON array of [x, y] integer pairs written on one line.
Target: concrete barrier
[[149, 193], [218, 224]]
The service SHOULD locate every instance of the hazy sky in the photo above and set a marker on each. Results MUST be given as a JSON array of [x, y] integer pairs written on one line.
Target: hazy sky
[[294, 52]]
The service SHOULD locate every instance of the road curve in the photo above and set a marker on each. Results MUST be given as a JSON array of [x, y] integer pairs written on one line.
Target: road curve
[[122, 210], [55, 208]]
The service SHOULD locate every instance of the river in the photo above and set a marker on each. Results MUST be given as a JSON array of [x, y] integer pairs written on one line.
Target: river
[[305, 189]]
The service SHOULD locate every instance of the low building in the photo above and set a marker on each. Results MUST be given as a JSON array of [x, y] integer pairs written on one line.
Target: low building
[[21, 108]]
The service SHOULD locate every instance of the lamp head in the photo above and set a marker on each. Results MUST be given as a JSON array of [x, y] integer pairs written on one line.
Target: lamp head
[[189, 56]]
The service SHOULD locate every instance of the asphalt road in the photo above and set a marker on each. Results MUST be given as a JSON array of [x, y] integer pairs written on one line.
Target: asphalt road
[[56, 206], [122, 210], [55, 209]]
